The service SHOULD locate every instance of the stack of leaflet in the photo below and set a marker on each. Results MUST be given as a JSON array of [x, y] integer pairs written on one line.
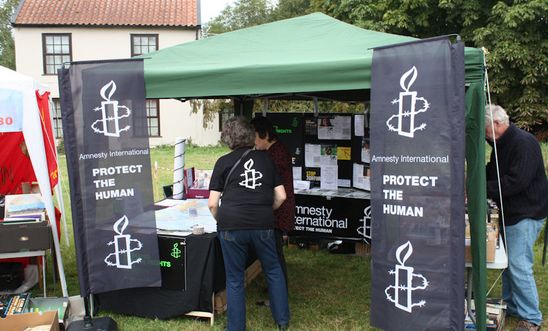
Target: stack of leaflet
[[24, 208], [496, 312], [11, 304]]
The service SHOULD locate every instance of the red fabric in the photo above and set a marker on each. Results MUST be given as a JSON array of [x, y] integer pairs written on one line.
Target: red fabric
[[285, 215], [49, 139], [58, 222], [15, 164]]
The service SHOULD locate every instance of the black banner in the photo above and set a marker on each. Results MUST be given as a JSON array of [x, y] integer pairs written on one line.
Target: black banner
[[417, 185], [317, 216], [108, 160]]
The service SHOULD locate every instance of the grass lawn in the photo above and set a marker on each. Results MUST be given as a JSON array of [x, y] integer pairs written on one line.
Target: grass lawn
[[327, 291]]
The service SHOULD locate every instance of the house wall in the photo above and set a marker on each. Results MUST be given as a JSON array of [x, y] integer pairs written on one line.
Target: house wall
[[102, 43]]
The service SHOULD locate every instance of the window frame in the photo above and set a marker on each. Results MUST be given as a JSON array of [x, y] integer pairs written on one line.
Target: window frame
[[224, 111], [150, 117], [45, 54], [140, 35], [56, 117]]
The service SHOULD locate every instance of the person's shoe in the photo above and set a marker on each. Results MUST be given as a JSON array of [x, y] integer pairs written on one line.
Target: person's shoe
[[283, 327], [526, 326]]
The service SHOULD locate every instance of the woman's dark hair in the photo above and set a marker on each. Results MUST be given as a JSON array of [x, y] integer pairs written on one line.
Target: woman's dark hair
[[263, 127], [237, 133]]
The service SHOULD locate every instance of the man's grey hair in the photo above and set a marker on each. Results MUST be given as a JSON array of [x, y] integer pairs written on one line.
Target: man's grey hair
[[238, 132], [498, 113]]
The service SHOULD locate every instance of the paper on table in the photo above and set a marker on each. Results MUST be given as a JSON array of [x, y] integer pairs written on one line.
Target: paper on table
[[169, 202], [184, 216], [301, 185], [343, 182], [359, 125]]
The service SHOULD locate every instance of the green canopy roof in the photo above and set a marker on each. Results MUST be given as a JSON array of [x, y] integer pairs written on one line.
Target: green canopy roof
[[303, 55], [315, 55]]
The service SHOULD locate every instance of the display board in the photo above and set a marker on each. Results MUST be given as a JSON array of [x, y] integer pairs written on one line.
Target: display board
[[325, 147]]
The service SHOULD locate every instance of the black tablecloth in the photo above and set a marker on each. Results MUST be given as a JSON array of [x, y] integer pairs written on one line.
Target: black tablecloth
[[204, 276]]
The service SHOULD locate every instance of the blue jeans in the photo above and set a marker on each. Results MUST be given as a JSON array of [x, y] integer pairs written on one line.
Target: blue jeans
[[235, 245], [519, 290]]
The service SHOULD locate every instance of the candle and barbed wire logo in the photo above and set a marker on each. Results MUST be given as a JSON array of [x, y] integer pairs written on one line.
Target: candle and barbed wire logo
[[175, 251], [407, 107], [365, 229], [403, 281], [111, 113], [122, 247], [251, 176]]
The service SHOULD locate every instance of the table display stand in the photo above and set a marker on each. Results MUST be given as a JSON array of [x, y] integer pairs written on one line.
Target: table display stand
[[500, 262], [41, 253], [205, 314]]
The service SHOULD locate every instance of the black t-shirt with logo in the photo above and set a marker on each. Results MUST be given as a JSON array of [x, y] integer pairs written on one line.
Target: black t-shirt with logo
[[247, 198]]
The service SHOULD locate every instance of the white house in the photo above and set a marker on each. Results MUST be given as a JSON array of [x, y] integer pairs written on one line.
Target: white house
[[48, 33]]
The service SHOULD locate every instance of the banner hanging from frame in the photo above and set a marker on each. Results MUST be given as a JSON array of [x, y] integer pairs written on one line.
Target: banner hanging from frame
[[417, 186], [108, 159]]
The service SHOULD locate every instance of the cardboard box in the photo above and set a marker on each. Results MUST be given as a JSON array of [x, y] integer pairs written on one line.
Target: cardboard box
[[60, 305], [20, 322], [491, 246]]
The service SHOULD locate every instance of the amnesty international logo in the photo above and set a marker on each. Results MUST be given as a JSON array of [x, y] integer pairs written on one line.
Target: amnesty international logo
[[407, 107], [122, 247], [403, 281], [175, 251], [365, 229], [111, 113], [251, 176]]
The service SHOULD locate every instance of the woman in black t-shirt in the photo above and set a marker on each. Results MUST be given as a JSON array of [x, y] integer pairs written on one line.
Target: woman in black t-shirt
[[251, 189]]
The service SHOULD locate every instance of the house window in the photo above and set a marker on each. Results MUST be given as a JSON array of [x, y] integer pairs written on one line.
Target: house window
[[56, 49], [224, 115], [143, 44], [153, 117], [56, 113]]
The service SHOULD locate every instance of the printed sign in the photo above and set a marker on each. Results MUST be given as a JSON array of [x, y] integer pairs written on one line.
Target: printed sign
[[417, 186], [318, 216], [108, 160], [173, 262], [11, 111]]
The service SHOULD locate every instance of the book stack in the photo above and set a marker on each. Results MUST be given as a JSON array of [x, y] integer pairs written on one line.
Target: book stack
[[496, 312], [11, 304], [24, 208]]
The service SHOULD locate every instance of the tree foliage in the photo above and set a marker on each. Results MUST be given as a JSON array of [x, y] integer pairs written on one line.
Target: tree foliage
[[516, 37], [7, 49], [513, 31], [243, 14]]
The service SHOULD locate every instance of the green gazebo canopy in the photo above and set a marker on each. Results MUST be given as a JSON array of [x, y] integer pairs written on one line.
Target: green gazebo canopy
[[308, 55], [315, 55]]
